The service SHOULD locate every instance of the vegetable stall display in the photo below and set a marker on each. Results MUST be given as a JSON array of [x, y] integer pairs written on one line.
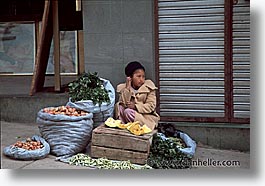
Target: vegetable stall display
[[33, 148], [134, 127], [88, 87], [29, 144], [81, 159], [165, 153], [93, 94], [65, 110], [67, 130]]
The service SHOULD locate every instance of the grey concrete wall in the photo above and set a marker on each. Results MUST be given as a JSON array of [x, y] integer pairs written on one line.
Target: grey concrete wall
[[25, 108], [115, 33], [220, 137]]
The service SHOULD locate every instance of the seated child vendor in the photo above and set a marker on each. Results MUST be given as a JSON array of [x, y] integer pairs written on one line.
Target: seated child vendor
[[137, 98]]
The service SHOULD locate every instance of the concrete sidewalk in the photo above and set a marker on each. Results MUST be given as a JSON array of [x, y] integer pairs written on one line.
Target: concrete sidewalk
[[10, 132]]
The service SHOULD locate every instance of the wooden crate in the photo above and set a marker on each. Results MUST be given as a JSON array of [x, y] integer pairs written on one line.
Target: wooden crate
[[120, 144]]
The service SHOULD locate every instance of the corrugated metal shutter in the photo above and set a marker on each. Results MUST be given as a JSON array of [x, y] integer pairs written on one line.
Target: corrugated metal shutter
[[191, 58], [241, 59]]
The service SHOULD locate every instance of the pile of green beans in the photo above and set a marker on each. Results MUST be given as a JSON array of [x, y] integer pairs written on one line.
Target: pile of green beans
[[103, 163]]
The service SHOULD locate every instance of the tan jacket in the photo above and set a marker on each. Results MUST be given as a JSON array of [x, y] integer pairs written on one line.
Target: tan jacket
[[145, 103]]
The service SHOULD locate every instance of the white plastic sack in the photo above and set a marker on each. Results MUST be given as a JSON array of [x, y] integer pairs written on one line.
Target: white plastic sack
[[102, 112], [66, 135], [24, 154], [190, 143]]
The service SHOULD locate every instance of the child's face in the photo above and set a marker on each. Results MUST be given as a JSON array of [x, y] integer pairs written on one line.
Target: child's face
[[138, 78]]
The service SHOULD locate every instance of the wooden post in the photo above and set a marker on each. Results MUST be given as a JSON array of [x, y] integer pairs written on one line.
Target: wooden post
[[56, 42], [81, 57], [43, 50], [80, 43], [37, 36]]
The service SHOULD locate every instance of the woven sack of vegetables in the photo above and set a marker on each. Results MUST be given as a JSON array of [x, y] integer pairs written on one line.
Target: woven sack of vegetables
[[33, 148], [169, 131], [67, 134], [190, 144], [93, 94]]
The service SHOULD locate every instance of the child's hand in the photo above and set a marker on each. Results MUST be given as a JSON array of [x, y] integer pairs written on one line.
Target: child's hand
[[128, 82], [131, 104]]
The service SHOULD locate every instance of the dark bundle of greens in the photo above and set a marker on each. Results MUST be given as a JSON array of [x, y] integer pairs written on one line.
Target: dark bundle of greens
[[88, 87], [164, 154]]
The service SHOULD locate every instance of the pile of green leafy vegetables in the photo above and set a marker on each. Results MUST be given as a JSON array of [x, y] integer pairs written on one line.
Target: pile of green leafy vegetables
[[165, 154], [88, 87]]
